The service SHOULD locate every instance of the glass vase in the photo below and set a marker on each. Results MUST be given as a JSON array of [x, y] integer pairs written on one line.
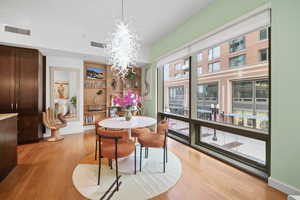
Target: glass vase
[[128, 115]]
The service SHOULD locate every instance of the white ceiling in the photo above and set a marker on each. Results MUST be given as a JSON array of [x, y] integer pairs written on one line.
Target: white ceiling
[[94, 19]]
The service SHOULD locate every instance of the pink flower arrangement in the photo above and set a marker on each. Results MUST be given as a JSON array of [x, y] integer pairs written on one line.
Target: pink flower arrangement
[[129, 100]]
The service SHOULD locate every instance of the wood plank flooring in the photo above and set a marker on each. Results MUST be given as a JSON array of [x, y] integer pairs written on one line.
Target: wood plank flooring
[[45, 172]]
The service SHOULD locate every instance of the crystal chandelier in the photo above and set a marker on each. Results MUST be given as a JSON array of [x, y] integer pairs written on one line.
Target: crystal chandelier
[[122, 48]]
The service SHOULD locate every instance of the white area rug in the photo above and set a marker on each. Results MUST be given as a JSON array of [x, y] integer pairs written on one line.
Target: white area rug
[[144, 185]]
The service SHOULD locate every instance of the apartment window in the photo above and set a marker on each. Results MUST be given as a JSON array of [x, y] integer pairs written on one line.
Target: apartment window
[[263, 34], [250, 103], [178, 66], [199, 70], [237, 61], [213, 67], [176, 100], [263, 55], [176, 93], [237, 44], [214, 53], [207, 95], [199, 57]]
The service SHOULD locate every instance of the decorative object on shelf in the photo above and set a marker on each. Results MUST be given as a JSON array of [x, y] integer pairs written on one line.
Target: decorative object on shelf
[[114, 84], [122, 48], [131, 75], [94, 73], [128, 102], [99, 92]]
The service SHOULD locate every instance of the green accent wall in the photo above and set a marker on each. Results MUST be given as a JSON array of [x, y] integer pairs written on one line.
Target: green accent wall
[[285, 146], [215, 15], [285, 154]]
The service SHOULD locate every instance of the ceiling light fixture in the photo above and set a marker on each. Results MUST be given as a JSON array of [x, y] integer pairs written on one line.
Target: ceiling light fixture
[[122, 48]]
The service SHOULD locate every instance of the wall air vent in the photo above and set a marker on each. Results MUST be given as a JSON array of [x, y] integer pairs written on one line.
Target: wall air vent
[[12, 29], [98, 45]]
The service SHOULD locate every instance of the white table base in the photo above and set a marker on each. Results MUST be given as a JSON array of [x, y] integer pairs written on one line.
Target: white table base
[[126, 165]]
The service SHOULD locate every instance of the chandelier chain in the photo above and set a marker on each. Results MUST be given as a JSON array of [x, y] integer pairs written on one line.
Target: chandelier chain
[[123, 10]]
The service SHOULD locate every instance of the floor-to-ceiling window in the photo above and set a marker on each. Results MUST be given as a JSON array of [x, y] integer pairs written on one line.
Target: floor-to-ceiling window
[[176, 94], [216, 96], [207, 95]]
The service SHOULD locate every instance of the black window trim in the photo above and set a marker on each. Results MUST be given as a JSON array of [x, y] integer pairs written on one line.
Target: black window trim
[[251, 133]]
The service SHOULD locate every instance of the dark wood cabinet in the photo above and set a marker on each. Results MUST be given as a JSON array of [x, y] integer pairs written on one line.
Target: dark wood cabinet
[[21, 72], [8, 144], [7, 79]]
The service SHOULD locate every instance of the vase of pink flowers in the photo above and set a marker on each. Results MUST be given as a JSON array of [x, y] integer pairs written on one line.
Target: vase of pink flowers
[[128, 102]]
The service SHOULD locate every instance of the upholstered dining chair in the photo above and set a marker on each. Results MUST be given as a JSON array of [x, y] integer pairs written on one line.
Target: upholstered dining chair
[[156, 139], [113, 145], [137, 132]]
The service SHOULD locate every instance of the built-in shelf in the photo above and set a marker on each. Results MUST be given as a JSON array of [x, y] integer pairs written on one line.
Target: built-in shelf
[[111, 87]]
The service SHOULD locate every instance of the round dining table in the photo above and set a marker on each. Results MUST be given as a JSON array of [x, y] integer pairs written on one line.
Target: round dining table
[[126, 165]]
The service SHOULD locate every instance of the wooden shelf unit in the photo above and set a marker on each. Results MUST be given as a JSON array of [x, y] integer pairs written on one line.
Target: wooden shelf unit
[[110, 86]]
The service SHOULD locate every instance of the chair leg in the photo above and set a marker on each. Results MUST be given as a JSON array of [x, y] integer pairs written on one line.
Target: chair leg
[[166, 153], [164, 159], [96, 148], [141, 156], [99, 169], [117, 174], [134, 160], [110, 163], [146, 152]]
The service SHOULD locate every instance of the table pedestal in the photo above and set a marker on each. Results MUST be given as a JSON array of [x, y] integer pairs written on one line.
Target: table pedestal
[[126, 165]]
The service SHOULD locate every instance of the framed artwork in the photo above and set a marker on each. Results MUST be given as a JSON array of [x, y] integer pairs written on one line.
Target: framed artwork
[[61, 90], [146, 84], [93, 73]]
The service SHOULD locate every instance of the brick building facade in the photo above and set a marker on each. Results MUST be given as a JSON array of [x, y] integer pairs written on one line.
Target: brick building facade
[[232, 76]]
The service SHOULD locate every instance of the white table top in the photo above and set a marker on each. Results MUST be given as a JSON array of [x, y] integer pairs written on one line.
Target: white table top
[[135, 122]]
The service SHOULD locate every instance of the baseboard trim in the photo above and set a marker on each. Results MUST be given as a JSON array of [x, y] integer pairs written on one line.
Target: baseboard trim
[[283, 187]]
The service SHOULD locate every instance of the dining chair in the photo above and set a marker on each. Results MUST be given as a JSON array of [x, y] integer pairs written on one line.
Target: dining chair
[[113, 145], [136, 132], [156, 139]]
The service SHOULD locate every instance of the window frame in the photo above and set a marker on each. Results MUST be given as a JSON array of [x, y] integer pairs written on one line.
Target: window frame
[[262, 171], [212, 56], [213, 69], [231, 43], [267, 34], [259, 55], [254, 94], [233, 57]]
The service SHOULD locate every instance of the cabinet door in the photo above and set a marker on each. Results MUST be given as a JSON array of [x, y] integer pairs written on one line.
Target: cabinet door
[[29, 128], [7, 79], [27, 71]]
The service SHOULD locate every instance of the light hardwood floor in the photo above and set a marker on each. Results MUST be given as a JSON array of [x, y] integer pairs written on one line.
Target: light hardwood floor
[[45, 172]]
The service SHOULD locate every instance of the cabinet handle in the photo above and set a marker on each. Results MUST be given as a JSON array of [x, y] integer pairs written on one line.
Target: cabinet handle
[[12, 107], [16, 106]]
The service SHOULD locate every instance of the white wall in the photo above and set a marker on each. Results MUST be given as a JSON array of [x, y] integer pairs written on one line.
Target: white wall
[[69, 62]]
